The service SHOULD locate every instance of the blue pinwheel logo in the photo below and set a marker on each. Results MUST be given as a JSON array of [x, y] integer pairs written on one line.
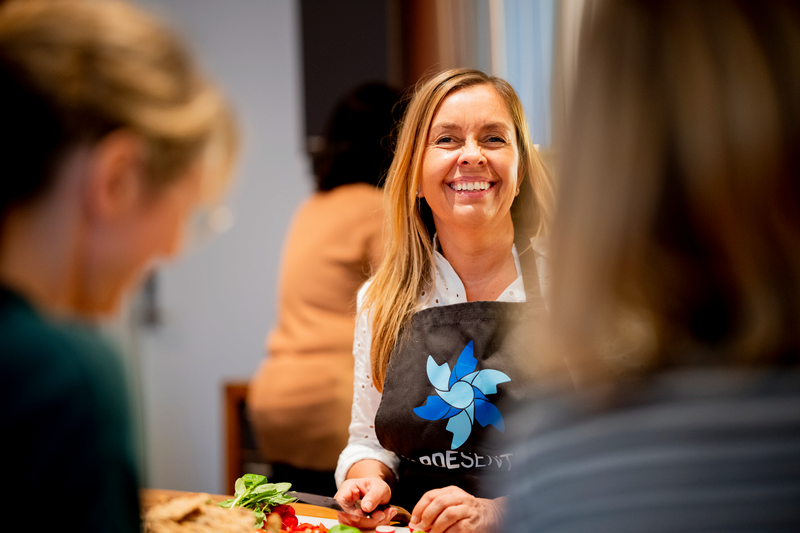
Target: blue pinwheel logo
[[461, 396]]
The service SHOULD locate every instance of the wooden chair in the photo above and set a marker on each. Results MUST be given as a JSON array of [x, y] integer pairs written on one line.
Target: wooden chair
[[241, 452]]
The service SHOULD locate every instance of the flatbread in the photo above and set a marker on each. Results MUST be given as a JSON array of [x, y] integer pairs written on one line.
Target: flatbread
[[195, 513]]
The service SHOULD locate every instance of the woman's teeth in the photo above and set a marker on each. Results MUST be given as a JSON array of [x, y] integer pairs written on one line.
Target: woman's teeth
[[470, 185]]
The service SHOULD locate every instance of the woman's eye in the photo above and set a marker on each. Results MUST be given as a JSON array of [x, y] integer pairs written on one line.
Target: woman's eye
[[444, 140], [494, 139]]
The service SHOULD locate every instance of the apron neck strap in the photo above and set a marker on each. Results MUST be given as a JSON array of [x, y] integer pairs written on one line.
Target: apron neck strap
[[527, 263]]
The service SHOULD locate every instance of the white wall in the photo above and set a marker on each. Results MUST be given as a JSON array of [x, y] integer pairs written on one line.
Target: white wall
[[219, 300], [529, 29]]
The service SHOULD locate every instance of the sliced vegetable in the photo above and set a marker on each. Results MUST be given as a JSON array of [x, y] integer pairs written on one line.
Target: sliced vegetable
[[306, 528], [341, 528]]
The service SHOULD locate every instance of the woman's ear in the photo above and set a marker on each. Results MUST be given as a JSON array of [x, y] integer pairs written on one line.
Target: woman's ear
[[113, 185]]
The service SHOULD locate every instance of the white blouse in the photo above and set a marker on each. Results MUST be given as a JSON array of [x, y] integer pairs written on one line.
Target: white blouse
[[447, 290]]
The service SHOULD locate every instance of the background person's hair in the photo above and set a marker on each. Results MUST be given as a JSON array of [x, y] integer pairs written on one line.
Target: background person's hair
[[72, 71], [359, 138], [679, 197], [396, 288]]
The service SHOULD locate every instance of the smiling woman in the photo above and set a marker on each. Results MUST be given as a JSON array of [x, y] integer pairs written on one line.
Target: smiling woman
[[109, 137], [441, 322], [469, 176]]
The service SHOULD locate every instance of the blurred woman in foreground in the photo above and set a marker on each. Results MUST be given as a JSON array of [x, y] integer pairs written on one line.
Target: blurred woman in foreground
[[441, 322], [109, 138], [678, 224]]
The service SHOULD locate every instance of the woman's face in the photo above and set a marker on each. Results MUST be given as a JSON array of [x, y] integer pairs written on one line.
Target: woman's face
[[469, 167], [152, 229]]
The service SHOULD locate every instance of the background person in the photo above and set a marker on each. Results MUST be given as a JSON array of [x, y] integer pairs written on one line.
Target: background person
[[300, 398], [440, 321], [679, 215], [109, 137]]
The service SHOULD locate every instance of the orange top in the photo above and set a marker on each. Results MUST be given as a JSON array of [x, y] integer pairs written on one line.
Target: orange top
[[300, 397]]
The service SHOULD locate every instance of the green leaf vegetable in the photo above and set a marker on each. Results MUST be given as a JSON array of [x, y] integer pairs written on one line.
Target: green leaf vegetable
[[341, 528], [253, 492]]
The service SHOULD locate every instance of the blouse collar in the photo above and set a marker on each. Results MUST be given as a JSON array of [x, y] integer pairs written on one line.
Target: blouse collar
[[449, 289]]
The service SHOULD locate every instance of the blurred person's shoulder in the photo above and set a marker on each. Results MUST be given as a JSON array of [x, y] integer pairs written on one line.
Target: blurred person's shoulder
[[64, 408], [359, 196], [345, 205], [606, 447], [47, 360], [726, 389]]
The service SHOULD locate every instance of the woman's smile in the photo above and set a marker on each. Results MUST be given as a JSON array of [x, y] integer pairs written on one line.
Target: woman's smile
[[470, 186]]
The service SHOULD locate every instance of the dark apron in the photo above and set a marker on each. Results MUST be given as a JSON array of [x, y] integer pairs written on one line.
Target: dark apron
[[450, 370]]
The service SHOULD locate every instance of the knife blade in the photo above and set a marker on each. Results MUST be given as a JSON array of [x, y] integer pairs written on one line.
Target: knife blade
[[348, 507]]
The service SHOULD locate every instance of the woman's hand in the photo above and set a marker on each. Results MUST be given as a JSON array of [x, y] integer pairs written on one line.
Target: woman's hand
[[455, 511], [372, 491]]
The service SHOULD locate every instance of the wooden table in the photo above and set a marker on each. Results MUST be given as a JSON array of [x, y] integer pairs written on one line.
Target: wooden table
[[150, 497]]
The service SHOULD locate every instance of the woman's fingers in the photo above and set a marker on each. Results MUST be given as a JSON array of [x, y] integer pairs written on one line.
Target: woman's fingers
[[378, 492], [376, 519], [358, 521], [432, 504], [372, 492], [450, 510], [349, 491]]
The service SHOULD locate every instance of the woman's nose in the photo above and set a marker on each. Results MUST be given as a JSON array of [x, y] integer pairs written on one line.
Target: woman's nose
[[471, 154]]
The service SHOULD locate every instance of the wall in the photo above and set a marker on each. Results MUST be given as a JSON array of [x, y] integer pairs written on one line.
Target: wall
[[529, 30], [218, 301]]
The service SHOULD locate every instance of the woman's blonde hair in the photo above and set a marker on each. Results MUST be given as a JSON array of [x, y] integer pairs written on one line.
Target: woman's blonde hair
[[679, 206], [72, 71], [404, 273]]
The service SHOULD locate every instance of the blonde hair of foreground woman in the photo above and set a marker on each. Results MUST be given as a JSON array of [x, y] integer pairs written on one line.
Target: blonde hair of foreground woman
[[83, 72], [405, 271], [679, 198]]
